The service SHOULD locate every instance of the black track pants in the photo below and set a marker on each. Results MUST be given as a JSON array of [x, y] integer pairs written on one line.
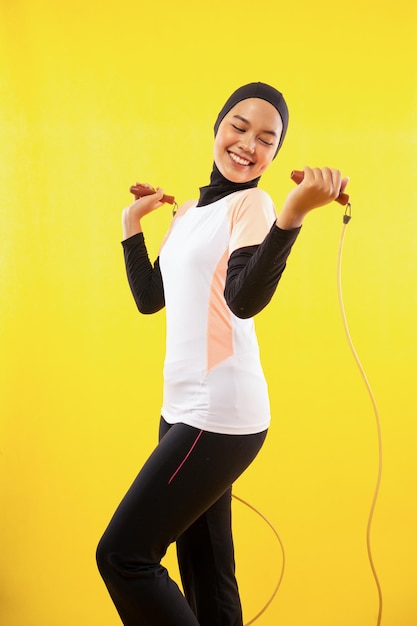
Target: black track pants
[[181, 494]]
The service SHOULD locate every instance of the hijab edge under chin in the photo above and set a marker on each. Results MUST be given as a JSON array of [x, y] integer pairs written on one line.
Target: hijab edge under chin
[[220, 187]]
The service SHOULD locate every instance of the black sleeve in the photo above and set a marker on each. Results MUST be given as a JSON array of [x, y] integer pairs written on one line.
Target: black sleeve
[[253, 272], [144, 279]]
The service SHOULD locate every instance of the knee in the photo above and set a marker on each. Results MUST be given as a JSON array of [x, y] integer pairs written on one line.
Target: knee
[[111, 553], [128, 546], [117, 557], [103, 557]]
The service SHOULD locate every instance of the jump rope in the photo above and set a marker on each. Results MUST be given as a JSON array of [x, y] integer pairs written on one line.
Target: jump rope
[[297, 176]]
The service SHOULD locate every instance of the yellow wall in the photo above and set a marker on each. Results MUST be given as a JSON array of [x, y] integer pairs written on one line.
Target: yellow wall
[[94, 95]]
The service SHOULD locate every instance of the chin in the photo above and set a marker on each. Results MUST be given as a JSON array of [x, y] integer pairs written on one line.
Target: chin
[[232, 175], [236, 177]]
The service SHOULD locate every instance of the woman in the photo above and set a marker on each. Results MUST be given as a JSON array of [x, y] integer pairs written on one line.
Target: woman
[[219, 265]]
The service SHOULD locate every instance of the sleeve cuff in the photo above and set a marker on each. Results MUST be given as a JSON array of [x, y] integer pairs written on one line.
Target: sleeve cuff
[[133, 241]]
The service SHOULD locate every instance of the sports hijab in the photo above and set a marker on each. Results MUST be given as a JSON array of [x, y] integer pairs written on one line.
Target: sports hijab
[[220, 186]]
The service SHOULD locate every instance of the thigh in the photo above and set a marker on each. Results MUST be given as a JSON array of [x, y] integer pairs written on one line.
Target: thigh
[[187, 472]]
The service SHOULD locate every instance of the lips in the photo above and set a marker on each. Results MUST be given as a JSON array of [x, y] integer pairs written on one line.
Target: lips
[[239, 160]]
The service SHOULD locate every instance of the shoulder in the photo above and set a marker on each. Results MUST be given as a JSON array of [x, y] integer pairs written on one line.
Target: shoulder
[[251, 215], [254, 194], [251, 202]]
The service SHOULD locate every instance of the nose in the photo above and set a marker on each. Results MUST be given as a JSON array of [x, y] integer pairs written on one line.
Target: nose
[[248, 144]]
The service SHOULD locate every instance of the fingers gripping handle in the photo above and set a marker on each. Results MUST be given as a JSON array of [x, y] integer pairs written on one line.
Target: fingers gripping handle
[[297, 176], [142, 190]]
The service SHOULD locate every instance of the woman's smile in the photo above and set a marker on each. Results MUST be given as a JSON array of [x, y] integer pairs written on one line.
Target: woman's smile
[[239, 160]]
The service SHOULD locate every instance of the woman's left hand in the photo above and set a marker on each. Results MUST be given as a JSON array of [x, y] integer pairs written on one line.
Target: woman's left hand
[[319, 187]]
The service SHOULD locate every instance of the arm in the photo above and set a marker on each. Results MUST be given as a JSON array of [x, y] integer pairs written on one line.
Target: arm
[[144, 279], [254, 272]]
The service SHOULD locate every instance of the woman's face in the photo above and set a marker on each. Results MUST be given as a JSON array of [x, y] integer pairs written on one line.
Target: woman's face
[[247, 139]]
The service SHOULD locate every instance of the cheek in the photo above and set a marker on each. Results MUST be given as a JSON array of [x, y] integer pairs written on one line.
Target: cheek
[[220, 144], [221, 140], [267, 160]]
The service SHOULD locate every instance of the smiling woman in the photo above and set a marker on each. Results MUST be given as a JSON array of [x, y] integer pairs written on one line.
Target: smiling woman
[[219, 266], [247, 140], [95, 95]]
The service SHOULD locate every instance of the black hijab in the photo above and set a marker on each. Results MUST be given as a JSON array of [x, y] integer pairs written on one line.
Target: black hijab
[[220, 186]]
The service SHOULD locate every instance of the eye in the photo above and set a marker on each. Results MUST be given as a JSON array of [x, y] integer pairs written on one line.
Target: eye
[[265, 142], [238, 128]]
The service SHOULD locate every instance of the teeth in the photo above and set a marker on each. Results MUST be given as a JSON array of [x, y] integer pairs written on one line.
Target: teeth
[[238, 159]]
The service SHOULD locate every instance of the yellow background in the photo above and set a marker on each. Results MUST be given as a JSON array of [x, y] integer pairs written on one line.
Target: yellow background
[[95, 95]]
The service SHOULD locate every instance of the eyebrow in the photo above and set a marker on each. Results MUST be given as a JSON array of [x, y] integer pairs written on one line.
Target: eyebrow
[[243, 119]]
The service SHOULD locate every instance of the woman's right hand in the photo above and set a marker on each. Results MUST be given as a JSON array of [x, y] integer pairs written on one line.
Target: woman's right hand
[[132, 214]]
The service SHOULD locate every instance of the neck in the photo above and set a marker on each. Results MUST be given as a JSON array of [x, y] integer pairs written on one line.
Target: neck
[[220, 187]]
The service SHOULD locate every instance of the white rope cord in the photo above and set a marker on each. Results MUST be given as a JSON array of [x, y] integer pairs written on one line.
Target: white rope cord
[[346, 220], [376, 412], [277, 586]]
